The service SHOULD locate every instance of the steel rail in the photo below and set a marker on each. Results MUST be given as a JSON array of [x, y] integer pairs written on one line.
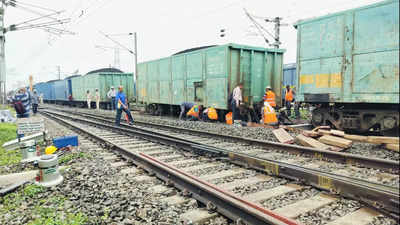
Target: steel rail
[[351, 159], [225, 203], [381, 197]]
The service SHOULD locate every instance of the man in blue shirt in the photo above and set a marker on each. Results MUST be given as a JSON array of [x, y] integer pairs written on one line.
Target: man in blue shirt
[[122, 105]]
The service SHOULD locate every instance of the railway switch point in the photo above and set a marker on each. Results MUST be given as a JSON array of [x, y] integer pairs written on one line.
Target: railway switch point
[[48, 174]]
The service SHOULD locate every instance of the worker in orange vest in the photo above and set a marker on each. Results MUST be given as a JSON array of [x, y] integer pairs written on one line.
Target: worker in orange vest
[[288, 99], [269, 115], [269, 96], [194, 112], [210, 114]]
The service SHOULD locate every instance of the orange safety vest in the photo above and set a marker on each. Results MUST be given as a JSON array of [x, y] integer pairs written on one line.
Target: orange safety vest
[[270, 98], [289, 95], [269, 115], [212, 114], [228, 118], [194, 111]]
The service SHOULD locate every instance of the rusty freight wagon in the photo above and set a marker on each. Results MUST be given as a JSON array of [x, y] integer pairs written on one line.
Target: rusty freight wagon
[[207, 76], [348, 66]]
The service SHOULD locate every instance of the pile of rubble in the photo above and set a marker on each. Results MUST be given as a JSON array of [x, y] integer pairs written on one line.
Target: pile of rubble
[[323, 137]]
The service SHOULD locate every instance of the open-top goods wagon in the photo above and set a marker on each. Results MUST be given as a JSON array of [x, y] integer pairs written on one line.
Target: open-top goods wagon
[[102, 81], [348, 66], [207, 76]]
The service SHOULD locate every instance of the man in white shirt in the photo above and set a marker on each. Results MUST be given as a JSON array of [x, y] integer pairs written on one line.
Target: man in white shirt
[[97, 96], [88, 98], [111, 95], [236, 101]]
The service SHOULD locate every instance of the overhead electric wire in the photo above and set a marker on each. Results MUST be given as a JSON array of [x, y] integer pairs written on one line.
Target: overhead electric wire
[[119, 44], [121, 34], [32, 5], [257, 25], [32, 11], [38, 18], [43, 24]]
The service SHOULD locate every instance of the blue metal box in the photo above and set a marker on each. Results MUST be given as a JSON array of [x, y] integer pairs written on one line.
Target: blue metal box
[[61, 142]]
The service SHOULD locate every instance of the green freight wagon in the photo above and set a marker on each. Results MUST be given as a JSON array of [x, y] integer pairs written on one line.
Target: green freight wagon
[[103, 81], [348, 66], [207, 76]]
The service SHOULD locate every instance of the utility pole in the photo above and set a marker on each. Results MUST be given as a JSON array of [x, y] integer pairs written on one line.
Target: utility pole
[[136, 68], [2, 57], [117, 63], [45, 22], [134, 52], [261, 30], [278, 24], [59, 72], [116, 50]]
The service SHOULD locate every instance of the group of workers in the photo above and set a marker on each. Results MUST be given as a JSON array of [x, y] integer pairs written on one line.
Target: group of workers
[[195, 112], [111, 95], [24, 100], [268, 110], [89, 98], [118, 102]]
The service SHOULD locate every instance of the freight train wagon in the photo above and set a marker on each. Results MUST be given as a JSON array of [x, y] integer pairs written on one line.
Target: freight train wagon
[[47, 89], [102, 81], [348, 66], [44, 89], [208, 76], [63, 89]]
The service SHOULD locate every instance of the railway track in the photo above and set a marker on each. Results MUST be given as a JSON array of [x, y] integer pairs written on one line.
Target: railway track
[[371, 169], [244, 179]]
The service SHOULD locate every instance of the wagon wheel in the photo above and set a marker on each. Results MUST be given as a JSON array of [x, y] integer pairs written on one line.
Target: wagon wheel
[[317, 118], [153, 109]]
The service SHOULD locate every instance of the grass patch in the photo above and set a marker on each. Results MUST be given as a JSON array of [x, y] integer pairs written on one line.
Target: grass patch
[[7, 133], [48, 210], [71, 156], [51, 218], [5, 107]]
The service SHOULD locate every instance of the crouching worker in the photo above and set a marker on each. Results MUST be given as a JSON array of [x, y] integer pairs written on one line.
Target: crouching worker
[[194, 113], [185, 107], [269, 115], [210, 114], [122, 105]]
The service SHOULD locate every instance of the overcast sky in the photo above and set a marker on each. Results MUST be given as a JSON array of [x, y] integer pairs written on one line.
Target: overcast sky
[[163, 28]]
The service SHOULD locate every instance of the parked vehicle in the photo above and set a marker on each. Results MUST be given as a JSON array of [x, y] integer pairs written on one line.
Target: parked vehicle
[[348, 66], [207, 76]]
